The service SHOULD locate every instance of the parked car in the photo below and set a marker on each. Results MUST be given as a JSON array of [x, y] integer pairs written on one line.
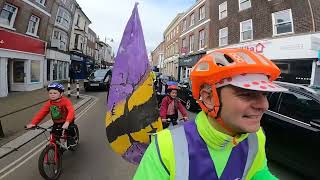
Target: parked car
[[99, 79], [292, 127], [185, 95]]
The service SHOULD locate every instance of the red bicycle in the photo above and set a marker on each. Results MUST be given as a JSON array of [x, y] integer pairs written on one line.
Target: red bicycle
[[50, 159]]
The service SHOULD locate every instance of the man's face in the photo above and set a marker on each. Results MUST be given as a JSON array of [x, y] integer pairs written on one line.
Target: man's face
[[54, 94], [242, 109]]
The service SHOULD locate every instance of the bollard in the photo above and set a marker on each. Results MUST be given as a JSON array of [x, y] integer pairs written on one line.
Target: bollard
[[77, 89], [68, 89]]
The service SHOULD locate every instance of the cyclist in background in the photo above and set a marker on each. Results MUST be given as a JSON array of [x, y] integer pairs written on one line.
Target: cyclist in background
[[61, 110], [170, 106]]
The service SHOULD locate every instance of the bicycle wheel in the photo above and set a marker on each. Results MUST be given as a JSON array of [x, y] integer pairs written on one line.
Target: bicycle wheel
[[50, 168], [76, 139]]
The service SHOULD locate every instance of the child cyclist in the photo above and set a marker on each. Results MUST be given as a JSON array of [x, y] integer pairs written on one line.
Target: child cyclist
[[170, 106], [61, 110]]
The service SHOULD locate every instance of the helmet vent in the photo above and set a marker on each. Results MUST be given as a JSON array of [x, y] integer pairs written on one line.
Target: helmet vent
[[203, 67], [228, 58]]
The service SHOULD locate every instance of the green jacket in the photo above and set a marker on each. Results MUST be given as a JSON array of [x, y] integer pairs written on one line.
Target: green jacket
[[219, 145]]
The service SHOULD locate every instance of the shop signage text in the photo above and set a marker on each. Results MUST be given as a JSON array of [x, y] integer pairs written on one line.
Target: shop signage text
[[258, 48]]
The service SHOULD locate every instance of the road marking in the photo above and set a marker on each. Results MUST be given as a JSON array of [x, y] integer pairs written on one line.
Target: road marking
[[15, 165], [22, 157]]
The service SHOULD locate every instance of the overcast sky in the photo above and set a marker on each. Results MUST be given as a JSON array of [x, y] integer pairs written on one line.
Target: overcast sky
[[109, 17]]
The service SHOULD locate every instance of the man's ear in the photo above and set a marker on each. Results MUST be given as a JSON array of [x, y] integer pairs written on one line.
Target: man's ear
[[207, 99]]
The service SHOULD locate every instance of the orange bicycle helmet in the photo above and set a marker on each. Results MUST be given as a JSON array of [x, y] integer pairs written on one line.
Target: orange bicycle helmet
[[238, 67]]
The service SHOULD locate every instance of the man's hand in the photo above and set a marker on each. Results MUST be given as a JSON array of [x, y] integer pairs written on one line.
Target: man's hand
[[164, 120], [28, 126], [66, 125]]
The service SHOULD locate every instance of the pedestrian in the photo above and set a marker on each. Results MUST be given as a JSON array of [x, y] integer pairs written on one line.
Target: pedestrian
[[170, 106], [72, 74], [225, 141], [61, 110]]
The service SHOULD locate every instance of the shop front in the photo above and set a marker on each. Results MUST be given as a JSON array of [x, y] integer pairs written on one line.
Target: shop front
[[296, 56], [79, 65], [21, 64], [186, 63], [57, 66]]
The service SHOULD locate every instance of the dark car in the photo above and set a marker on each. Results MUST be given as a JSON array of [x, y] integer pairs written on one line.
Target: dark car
[[185, 95], [99, 79], [292, 128]]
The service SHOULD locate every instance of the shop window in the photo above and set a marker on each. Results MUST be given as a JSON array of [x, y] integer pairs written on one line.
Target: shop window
[[282, 22], [33, 25], [48, 70], [35, 71], [55, 70], [246, 32], [8, 15], [244, 4], [223, 10], [18, 71], [223, 36], [60, 70]]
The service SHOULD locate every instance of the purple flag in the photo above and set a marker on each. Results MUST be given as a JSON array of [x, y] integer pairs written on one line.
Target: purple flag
[[132, 114]]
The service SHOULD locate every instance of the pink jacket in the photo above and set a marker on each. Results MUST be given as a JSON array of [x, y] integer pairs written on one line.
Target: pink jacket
[[166, 101]]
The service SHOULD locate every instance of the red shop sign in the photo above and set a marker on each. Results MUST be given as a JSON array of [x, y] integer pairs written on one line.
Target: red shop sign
[[17, 42]]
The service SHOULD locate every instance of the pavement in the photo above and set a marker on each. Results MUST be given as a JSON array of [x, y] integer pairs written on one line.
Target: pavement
[[18, 108]]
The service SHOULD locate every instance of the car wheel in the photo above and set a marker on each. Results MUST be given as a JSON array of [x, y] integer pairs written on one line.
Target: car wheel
[[188, 105]]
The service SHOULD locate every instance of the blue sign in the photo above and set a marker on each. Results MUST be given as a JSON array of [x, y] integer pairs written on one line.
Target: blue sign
[[318, 55]]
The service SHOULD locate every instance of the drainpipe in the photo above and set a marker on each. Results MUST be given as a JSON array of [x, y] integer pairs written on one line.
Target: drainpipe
[[312, 17]]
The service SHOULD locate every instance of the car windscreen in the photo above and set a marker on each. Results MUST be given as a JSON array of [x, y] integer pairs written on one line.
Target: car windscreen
[[100, 73]]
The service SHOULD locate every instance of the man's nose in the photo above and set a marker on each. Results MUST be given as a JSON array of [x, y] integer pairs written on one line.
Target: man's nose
[[261, 103]]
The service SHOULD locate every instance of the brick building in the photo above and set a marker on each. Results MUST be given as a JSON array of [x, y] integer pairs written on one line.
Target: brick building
[[58, 61], [157, 57], [194, 38], [171, 47], [23, 31], [286, 31]]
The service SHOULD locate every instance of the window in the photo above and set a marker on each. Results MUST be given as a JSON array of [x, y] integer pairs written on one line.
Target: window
[[191, 43], [35, 71], [282, 22], [184, 25], [223, 36], [299, 107], [8, 15], [223, 10], [202, 13], [63, 18], [246, 32], [201, 39], [18, 71], [33, 25], [42, 2], [192, 19], [244, 4], [60, 38]]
